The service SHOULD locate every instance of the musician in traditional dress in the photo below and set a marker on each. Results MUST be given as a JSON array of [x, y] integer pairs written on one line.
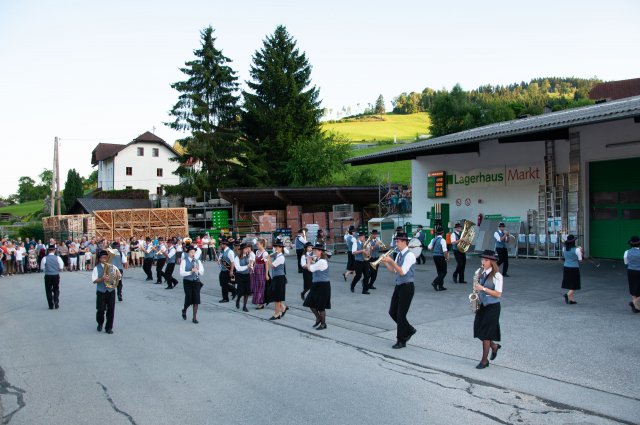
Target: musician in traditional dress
[[394, 247], [421, 236], [306, 274], [149, 254], [404, 268], [349, 239], [319, 297], [375, 254], [119, 263], [171, 265], [191, 269], [300, 241], [360, 266], [259, 274], [632, 260], [502, 239], [440, 258], [571, 270], [278, 282], [226, 260], [52, 266], [460, 256], [161, 259], [486, 326], [242, 268], [105, 297]]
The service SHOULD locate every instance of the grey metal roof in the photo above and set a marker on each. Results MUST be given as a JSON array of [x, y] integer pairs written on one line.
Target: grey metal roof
[[89, 205], [547, 126]]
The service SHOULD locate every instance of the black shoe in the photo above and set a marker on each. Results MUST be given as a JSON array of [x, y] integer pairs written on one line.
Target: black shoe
[[344, 275], [238, 302], [223, 301], [158, 283], [372, 287], [245, 309], [317, 323], [109, 331], [566, 299], [321, 327], [442, 288], [573, 302], [99, 328], [184, 314], [283, 313], [260, 307], [366, 293], [462, 281], [412, 332], [482, 366], [274, 317], [169, 287], [119, 299], [50, 307], [435, 286], [633, 307], [454, 279], [147, 279], [505, 275], [353, 287], [302, 295], [57, 306], [399, 344], [494, 354], [194, 321]]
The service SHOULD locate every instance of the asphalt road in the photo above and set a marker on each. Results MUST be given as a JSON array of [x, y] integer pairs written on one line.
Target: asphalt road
[[559, 363]]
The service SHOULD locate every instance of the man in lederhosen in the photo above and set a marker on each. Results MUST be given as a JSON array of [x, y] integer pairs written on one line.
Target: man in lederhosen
[[52, 266], [361, 267], [461, 257], [440, 258], [502, 238]]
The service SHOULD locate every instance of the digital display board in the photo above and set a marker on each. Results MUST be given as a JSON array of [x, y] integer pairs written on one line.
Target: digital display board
[[437, 184]]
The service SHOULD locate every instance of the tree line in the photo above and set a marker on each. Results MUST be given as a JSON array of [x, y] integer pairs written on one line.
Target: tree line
[[458, 110]]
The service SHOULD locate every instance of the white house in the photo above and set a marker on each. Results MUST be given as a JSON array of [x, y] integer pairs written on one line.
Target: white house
[[143, 163]]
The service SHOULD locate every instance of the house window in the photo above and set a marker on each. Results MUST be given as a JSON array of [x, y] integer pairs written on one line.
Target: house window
[[155, 152], [159, 190], [129, 171], [140, 151], [159, 172]]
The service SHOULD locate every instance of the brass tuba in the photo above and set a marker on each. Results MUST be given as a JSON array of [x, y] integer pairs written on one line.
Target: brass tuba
[[366, 246], [467, 235], [474, 298], [110, 271]]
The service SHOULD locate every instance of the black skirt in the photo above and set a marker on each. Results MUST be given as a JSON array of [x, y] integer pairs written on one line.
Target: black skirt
[[351, 261], [571, 278], [191, 292], [278, 286], [243, 284], [319, 297], [634, 282], [486, 325], [307, 279]]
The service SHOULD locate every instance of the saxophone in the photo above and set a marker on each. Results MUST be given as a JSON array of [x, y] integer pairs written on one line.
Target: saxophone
[[474, 298], [466, 237]]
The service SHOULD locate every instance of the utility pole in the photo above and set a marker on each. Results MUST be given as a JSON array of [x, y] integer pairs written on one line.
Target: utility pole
[[55, 181]]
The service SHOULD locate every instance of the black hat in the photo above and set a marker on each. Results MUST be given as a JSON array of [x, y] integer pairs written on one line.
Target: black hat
[[244, 245], [52, 248], [308, 244], [280, 244], [457, 225], [224, 241], [419, 226], [634, 241], [571, 238], [402, 237], [399, 229], [115, 244], [148, 239], [319, 246], [237, 242], [300, 231], [501, 224], [362, 233], [103, 252], [374, 231], [439, 230], [489, 255], [352, 227], [190, 248]]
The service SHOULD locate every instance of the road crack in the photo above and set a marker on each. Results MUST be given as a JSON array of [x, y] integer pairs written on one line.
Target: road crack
[[7, 389], [113, 405]]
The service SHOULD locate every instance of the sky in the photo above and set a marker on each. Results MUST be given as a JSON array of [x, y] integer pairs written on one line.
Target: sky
[[90, 72]]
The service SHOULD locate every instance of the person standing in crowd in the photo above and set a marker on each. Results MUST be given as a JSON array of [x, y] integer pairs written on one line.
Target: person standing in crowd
[[421, 236], [440, 258], [404, 268], [82, 249], [319, 297], [502, 239], [191, 269], [300, 242], [207, 252], [42, 252], [149, 253], [93, 248], [19, 254], [73, 256], [242, 267], [179, 253], [632, 260], [133, 250], [226, 260], [320, 238], [161, 258], [119, 263], [171, 265], [306, 274], [278, 283], [571, 269], [349, 239], [105, 297], [461, 257], [52, 266], [375, 254], [361, 267], [486, 325], [258, 277]]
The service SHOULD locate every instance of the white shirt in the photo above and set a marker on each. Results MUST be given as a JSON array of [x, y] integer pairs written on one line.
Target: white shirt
[[319, 266], [496, 236], [280, 260], [230, 254], [354, 247], [443, 244], [185, 273], [408, 260], [94, 273], [497, 280], [303, 258], [626, 260], [171, 252], [205, 242], [238, 267], [454, 237]]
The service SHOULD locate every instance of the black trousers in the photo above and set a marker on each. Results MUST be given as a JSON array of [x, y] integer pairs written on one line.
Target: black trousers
[[168, 274], [399, 307], [105, 303], [159, 265], [441, 268], [373, 273], [362, 271], [299, 254], [52, 288], [225, 285], [461, 262], [503, 258], [146, 267]]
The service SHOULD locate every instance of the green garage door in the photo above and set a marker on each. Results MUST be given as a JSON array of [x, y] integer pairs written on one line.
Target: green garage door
[[614, 205]]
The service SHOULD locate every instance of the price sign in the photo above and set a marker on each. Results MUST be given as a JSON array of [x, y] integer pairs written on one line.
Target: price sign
[[437, 184]]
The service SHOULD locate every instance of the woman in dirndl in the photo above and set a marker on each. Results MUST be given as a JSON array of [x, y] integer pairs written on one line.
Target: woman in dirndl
[[486, 326], [571, 270], [319, 297], [258, 276], [632, 260], [242, 267]]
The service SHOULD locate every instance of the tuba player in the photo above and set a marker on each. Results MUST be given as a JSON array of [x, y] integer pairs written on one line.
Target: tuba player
[[105, 295]]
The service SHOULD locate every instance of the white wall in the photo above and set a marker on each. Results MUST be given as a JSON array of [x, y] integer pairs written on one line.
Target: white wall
[[105, 174], [144, 167]]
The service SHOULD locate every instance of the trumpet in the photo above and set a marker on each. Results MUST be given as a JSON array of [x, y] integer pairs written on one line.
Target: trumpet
[[376, 263]]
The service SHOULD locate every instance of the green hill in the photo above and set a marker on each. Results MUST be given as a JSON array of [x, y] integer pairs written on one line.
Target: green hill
[[395, 172], [23, 209], [372, 128]]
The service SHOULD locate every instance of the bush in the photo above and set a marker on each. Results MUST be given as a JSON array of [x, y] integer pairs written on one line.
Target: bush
[[34, 231]]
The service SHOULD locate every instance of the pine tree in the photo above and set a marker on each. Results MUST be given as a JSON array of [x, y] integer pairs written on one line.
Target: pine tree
[[73, 188], [380, 108], [282, 110], [208, 110]]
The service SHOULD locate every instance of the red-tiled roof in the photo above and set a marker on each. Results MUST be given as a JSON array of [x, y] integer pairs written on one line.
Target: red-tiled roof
[[614, 90]]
